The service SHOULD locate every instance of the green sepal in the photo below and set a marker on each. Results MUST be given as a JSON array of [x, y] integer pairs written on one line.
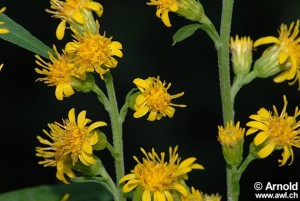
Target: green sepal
[[176, 195], [137, 194], [78, 191], [233, 154], [84, 86], [185, 32], [254, 149], [18, 35], [132, 98], [92, 170], [102, 141]]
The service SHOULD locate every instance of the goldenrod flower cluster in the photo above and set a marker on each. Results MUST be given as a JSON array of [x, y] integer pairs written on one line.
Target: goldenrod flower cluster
[[190, 9], [156, 177], [160, 178], [155, 99], [276, 131], [89, 52], [70, 142]]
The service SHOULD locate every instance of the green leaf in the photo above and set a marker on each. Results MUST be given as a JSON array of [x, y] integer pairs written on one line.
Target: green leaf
[[185, 32], [77, 191], [18, 35]]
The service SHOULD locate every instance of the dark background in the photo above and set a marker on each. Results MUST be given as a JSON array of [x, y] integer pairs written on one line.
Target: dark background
[[26, 106]]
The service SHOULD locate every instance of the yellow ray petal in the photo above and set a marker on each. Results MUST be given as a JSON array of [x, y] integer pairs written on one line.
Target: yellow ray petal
[[266, 40], [81, 119], [141, 112], [260, 138], [96, 125], [266, 150], [60, 31]]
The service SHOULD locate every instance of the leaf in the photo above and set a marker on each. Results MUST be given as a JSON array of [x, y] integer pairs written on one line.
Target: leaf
[[185, 32], [18, 35], [77, 191]]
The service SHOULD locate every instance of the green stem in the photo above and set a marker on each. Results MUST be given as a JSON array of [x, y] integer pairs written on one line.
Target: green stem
[[233, 187], [239, 82], [116, 126], [111, 184], [210, 29], [102, 97], [112, 151], [223, 60], [245, 164]]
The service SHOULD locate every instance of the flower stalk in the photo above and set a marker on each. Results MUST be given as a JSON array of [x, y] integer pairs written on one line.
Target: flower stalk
[[223, 61], [233, 187], [116, 126]]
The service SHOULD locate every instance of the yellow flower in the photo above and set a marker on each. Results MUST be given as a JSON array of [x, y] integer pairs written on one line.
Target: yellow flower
[[75, 12], [190, 9], [157, 177], [232, 139], [154, 98], [3, 30], [241, 51], [195, 195], [58, 73], [288, 45], [275, 131], [231, 134], [70, 142], [213, 197], [94, 52], [163, 9]]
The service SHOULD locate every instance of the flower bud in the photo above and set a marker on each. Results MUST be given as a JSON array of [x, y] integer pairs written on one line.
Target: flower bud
[[241, 54], [191, 9], [102, 141], [232, 139], [91, 170], [268, 64], [83, 85]]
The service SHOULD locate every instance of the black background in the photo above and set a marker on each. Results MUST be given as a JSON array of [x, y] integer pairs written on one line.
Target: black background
[[191, 66]]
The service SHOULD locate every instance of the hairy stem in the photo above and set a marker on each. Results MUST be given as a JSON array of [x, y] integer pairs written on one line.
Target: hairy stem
[[116, 126]]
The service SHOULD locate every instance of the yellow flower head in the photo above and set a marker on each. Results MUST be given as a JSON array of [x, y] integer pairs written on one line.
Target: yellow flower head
[[275, 131], [213, 197], [232, 139], [3, 30], [163, 9], [288, 44], [231, 134], [93, 52], [157, 177], [69, 142], [154, 98], [195, 195], [241, 51], [75, 12], [58, 73]]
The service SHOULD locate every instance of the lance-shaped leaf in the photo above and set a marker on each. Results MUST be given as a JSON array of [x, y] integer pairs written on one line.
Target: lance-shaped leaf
[[77, 192], [185, 32], [18, 35]]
